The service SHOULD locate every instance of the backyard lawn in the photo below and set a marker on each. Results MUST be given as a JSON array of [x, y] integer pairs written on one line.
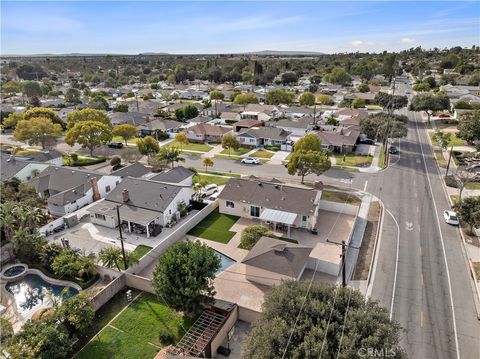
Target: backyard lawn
[[135, 332], [84, 160], [352, 159], [262, 154], [138, 253], [215, 227], [191, 146], [239, 152], [210, 179]]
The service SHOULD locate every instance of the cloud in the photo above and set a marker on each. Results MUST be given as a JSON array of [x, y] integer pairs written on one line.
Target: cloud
[[360, 43], [407, 41]]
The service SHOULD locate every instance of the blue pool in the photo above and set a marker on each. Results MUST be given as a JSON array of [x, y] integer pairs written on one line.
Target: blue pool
[[31, 293], [225, 262]]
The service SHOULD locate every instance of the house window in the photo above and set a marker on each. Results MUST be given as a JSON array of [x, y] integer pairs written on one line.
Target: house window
[[230, 204], [99, 216], [254, 211], [107, 188]]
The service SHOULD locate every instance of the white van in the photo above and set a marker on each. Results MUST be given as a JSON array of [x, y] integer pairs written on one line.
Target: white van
[[208, 190]]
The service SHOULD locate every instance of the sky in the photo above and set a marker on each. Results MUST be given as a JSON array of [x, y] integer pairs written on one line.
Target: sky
[[186, 27]]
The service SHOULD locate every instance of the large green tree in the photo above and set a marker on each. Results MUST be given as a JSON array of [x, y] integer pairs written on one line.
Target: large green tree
[[125, 131], [170, 155], [37, 131], [468, 210], [381, 125], [184, 276], [42, 112], [32, 88], [390, 102], [90, 134], [87, 114], [339, 76], [72, 96], [245, 98], [77, 313], [291, 327], [430, 103], [279, 96], [230, 142], [148, 146], [469, 126], [308, 157]]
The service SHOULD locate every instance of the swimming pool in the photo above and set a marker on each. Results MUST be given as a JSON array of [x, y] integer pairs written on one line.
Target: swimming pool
[[32, 292], [225, 262]]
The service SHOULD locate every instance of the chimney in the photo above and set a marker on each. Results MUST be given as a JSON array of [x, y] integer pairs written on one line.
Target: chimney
[[96, 192], [125, 195]]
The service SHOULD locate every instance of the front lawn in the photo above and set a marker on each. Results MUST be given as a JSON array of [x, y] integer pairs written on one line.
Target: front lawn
[[262, 154], [191, 146], [381, 158], [440, 160], [211, 179], [83, 160], [239, 152], [215, 227], [454, 140], [135, 332], [131, 141], [232, 157], [218, 173], [354, 160], [472, 185]]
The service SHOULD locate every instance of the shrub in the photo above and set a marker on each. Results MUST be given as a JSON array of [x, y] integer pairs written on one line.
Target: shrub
[[251, 235], [450, 181], [166, 337], [74, 157]]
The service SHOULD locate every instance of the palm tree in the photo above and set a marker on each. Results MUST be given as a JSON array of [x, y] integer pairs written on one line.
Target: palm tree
[[207, 162], [170, 154], [110, 257], [8, 219]]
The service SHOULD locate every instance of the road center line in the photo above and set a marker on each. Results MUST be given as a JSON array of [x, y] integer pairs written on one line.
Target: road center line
[[365, 187], [441, 238], [396, 263]]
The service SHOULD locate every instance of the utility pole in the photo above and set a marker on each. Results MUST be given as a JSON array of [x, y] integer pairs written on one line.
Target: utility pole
[[343, 256], [121, 238], [449, 159]]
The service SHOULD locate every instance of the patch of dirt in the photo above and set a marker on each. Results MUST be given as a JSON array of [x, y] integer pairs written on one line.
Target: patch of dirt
[[368, 242], [476, 268], [469, 238]]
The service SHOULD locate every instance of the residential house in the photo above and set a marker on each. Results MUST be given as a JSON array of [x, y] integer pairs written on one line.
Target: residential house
[[199, 119], [263, 136], [342, 141], [271, 202], [368, 97], [349, 116], [270, 110], [455, 91], [131, 118], [293, 112], [255, 115], [141, 203], [230, 117], [68, 189], [136, 170], [150, 128], [204, 132], [178, 175], [271, 260], [246, 123], [221, 108], [14, 167], [296, 126]]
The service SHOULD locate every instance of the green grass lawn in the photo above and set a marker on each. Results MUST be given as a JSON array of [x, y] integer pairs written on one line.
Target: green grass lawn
[[340, 197], [211, 179], [454, 140], [239, 152], [352, 159], [381, 158], [262, 154], [138, 253], [455, 198], [191, 146], [135, 332], [84, 160], [132, 141], [345, 169], [289, 156], [473, 185], [232, 157], [218, 173], [440, 160], [215, 227]]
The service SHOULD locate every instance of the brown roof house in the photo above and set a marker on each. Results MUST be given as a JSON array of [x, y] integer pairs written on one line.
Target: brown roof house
[[341, 141], [271, 202], [204, 132], [271, 260]]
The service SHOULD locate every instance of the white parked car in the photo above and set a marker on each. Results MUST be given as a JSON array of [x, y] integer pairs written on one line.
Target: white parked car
[[451, 217], [251, 161], [213, 197], [208, 190]]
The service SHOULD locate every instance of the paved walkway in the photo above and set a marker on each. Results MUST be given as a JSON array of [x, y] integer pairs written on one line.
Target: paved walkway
[[279, 157], [215, 150]]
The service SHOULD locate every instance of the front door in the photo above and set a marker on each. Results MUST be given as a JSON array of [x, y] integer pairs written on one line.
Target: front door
[[304, 222]]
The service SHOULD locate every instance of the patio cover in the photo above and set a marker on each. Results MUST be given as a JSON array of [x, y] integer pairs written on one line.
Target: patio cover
[[274, 215], [127, 213]]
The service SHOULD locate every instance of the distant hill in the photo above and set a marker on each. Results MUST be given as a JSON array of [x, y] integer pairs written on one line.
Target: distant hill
[[285, 53]]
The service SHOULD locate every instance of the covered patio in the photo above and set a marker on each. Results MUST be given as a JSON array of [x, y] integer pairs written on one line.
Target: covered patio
[[278, 218]]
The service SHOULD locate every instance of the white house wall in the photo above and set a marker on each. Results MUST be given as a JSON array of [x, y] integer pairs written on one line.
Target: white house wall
[[25, 174]]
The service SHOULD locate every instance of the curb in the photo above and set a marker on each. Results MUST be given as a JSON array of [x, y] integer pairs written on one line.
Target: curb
[[374, 259]]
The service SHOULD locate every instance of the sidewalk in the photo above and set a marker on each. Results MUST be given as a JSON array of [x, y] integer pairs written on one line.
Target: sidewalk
[[279, 157], [214, 151]]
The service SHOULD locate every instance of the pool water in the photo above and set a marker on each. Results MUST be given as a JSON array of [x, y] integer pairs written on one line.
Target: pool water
[[225, 262], [14, 271], [32, 293]]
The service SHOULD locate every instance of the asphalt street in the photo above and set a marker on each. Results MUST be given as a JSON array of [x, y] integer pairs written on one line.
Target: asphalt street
[[421, 270]]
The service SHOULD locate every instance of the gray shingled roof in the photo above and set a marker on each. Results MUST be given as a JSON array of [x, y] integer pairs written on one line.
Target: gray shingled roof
[[272, 133], [174, 175], [278, 256], [10, 167], [134, 170], [271, 195]]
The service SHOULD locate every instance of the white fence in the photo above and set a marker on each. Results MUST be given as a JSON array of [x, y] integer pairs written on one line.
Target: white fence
[[344, 208], [49, 227]]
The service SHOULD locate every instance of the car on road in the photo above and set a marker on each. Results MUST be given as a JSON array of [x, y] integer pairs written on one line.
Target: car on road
[[115, 145], [393, 150], [208, 190], [451, 217], [473, 168], [250, 161], [367, 141]]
